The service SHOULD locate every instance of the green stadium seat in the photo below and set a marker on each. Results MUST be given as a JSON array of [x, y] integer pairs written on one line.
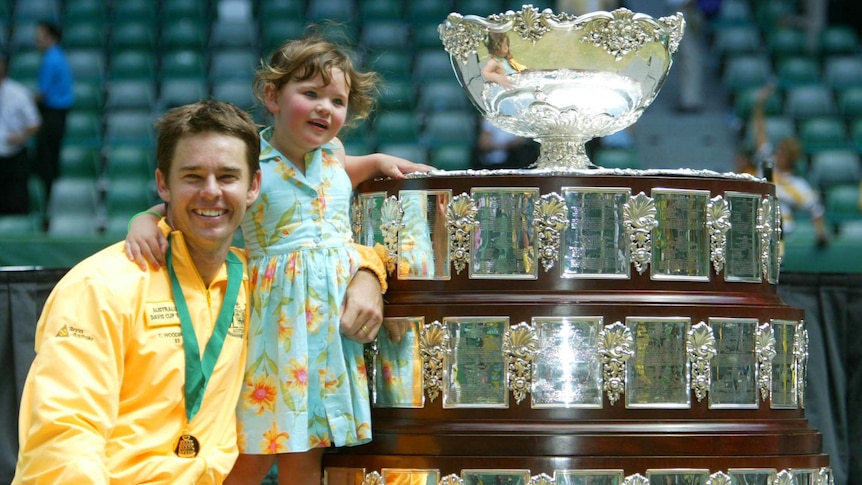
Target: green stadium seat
[[79, 161], [830, 168], [396, 127], [451, 157], [837, 40], [809, 101], [822, 134]]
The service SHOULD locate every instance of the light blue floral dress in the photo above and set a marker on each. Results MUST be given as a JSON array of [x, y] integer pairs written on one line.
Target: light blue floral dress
[[305, 385]]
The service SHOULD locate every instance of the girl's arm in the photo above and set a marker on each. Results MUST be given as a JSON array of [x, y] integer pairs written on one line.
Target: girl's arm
[[365, 167], [145, 243], [494, 73]]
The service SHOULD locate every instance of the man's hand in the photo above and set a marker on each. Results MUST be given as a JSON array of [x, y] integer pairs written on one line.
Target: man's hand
[[362, 310]]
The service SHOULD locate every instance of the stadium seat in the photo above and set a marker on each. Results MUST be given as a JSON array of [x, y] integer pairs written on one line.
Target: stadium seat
[[87, 64], [129, 162], [183, 63], [275, 31], [227, 34], [384, 34], [374, 10], [184, 33], [837, 40], [800, 70], [442, 95], [83, 128], [397, 95], [396, 127], [79, 161], [126, 94], [850, 103], [843, 72], [785, 42], [236, 63], [236, 91], [745, 71], [432, 64], [823, 133], [133, 34], [129, 127], [135, 64], [84, 35], [743, 39], [809, 101], [449, 128], [88, 96], [834, 167], [842, 204], [615, 158], [177, 92], [451, 157]]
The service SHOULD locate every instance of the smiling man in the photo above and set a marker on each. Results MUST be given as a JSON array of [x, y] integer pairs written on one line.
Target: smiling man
[[137, 373]]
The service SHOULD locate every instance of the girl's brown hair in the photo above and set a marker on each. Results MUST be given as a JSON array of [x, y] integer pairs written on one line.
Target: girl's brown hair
[[305, 58]]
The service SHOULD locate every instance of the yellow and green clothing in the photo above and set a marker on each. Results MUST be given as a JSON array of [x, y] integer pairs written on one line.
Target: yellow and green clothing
[[104, 399]]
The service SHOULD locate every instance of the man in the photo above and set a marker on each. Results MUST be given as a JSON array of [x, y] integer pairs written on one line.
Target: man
[[137, 374], [19, 120], [55, 95]]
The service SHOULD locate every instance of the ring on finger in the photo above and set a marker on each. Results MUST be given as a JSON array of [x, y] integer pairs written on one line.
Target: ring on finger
[[365, 329]]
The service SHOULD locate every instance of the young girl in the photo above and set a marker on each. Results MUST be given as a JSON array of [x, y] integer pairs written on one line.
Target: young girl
[[305, 383], [501, 63]]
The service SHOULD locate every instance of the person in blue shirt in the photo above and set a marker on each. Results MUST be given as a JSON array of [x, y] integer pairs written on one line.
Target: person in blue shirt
[[54, 97]]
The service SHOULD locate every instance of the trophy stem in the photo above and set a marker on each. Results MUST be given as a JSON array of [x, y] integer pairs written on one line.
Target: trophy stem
[[563, 153]]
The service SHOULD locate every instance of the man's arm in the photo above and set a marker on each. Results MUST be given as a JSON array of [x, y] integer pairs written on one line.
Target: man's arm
[[71, 395]]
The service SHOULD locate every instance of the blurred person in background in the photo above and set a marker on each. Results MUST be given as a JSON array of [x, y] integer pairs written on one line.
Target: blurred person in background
[[54, 97], [19, 120]]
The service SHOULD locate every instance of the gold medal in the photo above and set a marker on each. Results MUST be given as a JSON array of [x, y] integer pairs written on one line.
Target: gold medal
[[187, 446]]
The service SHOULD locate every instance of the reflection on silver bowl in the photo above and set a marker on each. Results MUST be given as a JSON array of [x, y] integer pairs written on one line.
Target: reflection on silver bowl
[[561, 79]]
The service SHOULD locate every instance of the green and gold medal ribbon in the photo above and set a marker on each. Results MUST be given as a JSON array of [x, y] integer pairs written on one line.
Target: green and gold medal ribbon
[[199, 369]]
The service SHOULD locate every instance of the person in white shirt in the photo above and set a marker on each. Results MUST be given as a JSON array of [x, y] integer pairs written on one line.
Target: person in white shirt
[[19, 120]]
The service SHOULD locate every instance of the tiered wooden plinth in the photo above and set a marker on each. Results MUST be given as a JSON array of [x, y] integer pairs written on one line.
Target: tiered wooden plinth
[[639, 440]]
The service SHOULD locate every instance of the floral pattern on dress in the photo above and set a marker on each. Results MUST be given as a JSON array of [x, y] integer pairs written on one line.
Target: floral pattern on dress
[[305, 384]]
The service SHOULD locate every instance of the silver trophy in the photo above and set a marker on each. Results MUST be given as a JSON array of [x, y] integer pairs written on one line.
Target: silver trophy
[[561, 79]]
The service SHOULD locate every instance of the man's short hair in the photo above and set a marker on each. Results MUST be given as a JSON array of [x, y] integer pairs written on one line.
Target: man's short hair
[[53, 29], [202, 117]]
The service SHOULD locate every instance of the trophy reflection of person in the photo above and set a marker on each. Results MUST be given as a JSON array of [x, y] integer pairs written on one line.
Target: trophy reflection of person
[[497, 72]]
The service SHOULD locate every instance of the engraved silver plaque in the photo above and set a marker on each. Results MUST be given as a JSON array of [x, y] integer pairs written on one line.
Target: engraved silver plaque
[[343, 476], [410, 476], [567, 371], [589, 477], [423, 242], [742, 261], [681, 239], [657, 375], [398, 364], [495, 477], [752, 476], [677, 477], [783, 394], [370, 216], [595, 243], [805, 476], [734, 367], [476, 373], [503, 245]]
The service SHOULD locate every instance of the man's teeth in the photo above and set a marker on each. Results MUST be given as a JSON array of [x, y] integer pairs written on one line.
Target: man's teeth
[[210, 213]]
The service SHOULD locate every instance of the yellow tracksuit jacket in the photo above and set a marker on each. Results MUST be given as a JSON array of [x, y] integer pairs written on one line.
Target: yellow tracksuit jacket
[[104, 401]]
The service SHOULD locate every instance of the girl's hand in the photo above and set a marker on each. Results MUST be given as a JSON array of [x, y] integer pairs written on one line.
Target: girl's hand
[[396, 167], [145, 242]]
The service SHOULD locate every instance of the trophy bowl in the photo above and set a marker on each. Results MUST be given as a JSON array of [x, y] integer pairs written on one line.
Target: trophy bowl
[[561, 79]]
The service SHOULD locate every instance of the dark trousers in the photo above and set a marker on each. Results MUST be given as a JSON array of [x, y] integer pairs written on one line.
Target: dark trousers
[[14, 172], [46, 163]]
